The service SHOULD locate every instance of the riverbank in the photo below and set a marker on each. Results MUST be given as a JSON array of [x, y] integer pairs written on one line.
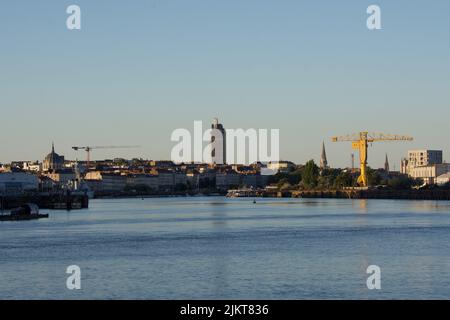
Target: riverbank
[[412, 194], [125, 195]]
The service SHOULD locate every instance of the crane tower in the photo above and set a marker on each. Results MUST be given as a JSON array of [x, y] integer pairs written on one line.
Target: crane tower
[[360, 141]]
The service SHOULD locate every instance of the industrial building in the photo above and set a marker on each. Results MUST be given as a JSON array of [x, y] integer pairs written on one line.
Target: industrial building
[[16, 182]]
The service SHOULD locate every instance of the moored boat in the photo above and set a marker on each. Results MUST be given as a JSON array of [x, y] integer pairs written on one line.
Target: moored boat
[[29, 211]]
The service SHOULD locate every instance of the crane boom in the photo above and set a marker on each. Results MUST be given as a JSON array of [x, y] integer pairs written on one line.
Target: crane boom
[[360, 142], [372, 137], [88, 150]]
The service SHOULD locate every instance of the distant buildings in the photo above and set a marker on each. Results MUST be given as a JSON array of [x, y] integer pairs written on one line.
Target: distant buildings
[[227, 179], [218, 142], [424, 164], [16, 182], [281, 166], [106, 181], [429, 174], [61, 176], [32, 166], [418, 158], [167, 177], [160, 177]]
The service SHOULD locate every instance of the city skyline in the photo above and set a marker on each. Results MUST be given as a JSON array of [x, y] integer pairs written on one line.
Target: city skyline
[[135, 73], [354, 162]]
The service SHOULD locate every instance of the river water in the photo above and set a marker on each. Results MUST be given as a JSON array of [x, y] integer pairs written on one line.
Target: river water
[[219, 248]]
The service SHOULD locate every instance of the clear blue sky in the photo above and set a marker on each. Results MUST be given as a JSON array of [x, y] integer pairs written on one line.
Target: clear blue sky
[[139, 69]]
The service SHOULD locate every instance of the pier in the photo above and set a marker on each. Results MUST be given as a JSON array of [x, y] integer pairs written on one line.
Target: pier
[[45, 200]]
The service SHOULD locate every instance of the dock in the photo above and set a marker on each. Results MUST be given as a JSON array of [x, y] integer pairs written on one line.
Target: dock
[[45, 200]]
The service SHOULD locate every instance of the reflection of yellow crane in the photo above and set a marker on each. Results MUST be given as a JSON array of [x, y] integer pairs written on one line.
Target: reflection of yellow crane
[[360, 142]]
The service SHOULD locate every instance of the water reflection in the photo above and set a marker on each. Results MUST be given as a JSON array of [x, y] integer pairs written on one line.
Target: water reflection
[[231, 248], [220, 261]]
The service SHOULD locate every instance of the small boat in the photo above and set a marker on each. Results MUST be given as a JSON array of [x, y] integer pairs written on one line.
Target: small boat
[[29, 211]]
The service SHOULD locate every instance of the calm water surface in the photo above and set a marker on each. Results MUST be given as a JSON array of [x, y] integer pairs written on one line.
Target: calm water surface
[[218, 248]]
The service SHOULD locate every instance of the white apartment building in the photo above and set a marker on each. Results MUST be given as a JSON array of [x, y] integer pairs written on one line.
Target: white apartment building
[[424, 164], [417, 158]]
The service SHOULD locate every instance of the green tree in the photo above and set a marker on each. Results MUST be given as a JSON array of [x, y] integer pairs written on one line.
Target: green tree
[[343, 180], [373, 177], [310, 174], [403, 183], [327, 178]]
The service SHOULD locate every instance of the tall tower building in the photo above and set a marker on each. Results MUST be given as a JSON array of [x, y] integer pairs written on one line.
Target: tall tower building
[[218, 141], [323, 158], [386, 164]]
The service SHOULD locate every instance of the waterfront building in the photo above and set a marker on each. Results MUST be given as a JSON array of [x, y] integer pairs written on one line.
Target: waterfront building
[[430, 173], [254, 180], [228, 179], [148, 180], [46, 184], [16, 182], [281, 166], [105, 181], [53, 161], [424, 164], [179, 178], [166, 180], [207, 178], [193, 178], [162, 164], [61, 176], [218, 143]]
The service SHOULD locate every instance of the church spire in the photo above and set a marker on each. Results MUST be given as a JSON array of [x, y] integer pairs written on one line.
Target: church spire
[[386, 164], [323, 158], [53, 147]]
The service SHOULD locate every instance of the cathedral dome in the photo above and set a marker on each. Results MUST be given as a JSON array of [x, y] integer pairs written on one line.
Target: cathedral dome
[[53, 161]]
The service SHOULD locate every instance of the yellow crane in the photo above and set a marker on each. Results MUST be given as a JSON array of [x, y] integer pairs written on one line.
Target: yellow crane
[[360, 142]]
